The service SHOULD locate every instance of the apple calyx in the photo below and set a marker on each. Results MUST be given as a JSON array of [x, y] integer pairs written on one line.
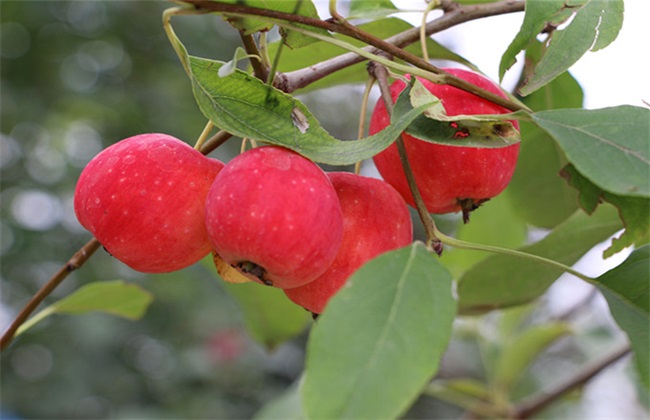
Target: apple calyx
[[249, 268], [468, 205]]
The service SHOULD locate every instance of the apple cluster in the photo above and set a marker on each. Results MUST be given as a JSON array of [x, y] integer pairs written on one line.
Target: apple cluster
[[158, 205]]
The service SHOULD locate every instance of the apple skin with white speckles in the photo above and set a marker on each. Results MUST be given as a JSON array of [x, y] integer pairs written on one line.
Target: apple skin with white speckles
[[450, 178], [375, 220], [274, 215], [143, 198]]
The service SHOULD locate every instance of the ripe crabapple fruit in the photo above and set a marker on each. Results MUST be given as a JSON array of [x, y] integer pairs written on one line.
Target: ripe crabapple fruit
[[274, 215], [144, 200], [450, 178], [375, 220]]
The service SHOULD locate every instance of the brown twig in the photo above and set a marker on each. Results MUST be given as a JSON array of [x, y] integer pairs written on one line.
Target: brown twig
[[77, 260], [381, 74], [343, 27], [537, 403], [259, 69]]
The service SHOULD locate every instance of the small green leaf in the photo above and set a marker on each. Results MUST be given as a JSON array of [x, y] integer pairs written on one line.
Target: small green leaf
[[521, 350], [111, 297], [501, 281], [364, 9], [229, 67], [270, 317], [538, 14], [245, 106], [609, 146], [249, 25], [633, 211], [541, 159], [627, 291], [380, 340], [295, 39], [595, 25]]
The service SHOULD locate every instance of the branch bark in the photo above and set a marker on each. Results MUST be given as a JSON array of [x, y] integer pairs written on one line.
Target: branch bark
[[537, 403], [77, 260], [392, 46]]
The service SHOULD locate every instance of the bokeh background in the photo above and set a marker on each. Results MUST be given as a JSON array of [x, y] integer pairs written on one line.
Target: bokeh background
[[78, 76]]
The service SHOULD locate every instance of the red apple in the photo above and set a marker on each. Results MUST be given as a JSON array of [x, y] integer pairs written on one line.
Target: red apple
[[375, 220], [450, 178], [274, 215], [144, 200]]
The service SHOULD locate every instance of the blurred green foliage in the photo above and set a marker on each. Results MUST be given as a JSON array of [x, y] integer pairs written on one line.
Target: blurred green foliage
[[78, 76]]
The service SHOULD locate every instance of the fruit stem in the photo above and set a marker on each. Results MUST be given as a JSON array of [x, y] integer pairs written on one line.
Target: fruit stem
[[423, 28], [260, 70], [215, 141], [204, 135], [433, 243], [76, 261], [178, 46], [460, 244], [362, 117]]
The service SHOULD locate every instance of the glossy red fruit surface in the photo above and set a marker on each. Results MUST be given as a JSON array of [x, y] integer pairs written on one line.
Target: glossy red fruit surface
[[275, 216], [450, 178], [143, 198], [375, 220]]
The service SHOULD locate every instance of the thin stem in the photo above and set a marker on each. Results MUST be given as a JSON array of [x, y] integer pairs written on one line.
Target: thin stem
[[362, 117], [259, 69], [537, 403], [276, 63], [345, 28], [457, 243], [204, 134], [433, 243], [76, 261], [423, 28], [454, 15], [215, 141]]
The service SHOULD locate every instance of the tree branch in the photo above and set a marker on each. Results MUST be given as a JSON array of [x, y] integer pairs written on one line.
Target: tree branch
[[392, 46], [537, 403], [433, 243], [77, 260]]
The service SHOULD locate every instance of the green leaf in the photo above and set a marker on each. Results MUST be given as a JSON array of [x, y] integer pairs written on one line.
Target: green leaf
[[595, 25], [501, 281], [229, 67], [320, 51], [245, 106], [521, 350], [538, 194], [249, 25], [633, 211], [365, 9], [435, 126], [295, 39], [609, 146], [538, 14], [627, 291], [110, 297], [380, 339], [494, 223], [270, 317], [462, 392]]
